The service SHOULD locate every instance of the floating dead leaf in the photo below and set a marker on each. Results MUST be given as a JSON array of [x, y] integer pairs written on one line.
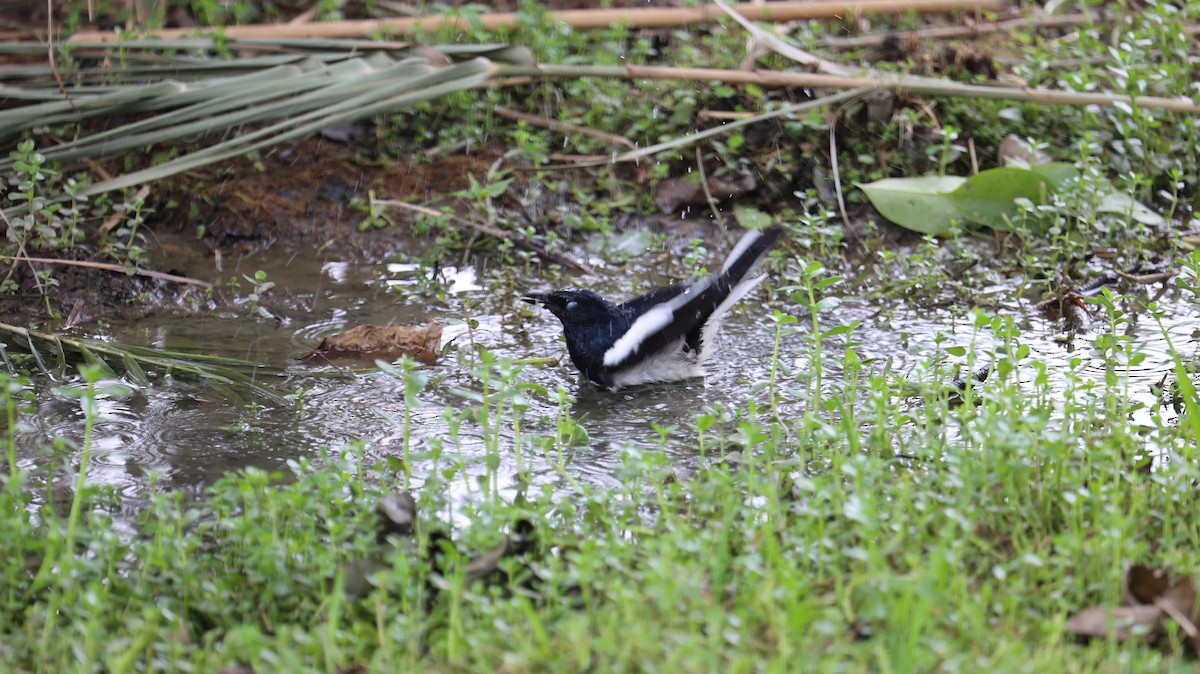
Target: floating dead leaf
[[674, 194], [383, 341]]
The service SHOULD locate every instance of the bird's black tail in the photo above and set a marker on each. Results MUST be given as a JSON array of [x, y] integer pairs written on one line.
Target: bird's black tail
[[753, 246]]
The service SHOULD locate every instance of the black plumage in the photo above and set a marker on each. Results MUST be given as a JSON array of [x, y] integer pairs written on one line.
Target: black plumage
[[664, 335]]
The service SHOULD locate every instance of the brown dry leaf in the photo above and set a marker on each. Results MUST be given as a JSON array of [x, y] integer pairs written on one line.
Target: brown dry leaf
[[384, 341], [1015, 151], [397, 515], [1144, 585], [674, 194], [1155, 598], [1121, 624], [1179, 602], [1176, 599], [488, 564]]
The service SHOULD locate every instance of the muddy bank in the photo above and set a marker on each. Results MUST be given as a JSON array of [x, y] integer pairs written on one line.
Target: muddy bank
[[303, 199]]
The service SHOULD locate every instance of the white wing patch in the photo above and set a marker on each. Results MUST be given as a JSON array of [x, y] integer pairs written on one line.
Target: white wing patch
[[648, 324]]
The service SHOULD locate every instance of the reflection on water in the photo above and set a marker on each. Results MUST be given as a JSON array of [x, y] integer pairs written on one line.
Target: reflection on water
[[180, 434]]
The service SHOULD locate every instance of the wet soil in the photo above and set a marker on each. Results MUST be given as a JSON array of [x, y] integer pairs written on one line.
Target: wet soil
[[302, 197], [295, 199]]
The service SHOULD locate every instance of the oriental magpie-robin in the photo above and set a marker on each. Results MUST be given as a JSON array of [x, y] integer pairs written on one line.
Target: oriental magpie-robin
[[662, 336]]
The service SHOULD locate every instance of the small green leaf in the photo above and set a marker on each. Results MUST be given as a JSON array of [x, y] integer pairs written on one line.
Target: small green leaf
[[134, 371], [750, 217], [827, 303], [839, 330]]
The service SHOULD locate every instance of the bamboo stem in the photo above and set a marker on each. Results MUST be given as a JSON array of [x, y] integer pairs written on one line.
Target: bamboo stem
[[647, 17], [921, 85], [947, 32]]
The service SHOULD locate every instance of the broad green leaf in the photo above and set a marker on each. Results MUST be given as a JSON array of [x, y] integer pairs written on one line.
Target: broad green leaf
[[750, 217], [989, 198], [1056, 173], [1123, 204], [633, 242], [920, 204]]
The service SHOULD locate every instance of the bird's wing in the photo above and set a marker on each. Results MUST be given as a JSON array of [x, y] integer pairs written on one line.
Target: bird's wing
[[683, 311], [663, 323]]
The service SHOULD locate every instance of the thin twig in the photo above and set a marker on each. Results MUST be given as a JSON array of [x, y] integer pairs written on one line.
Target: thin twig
[[784, 49], [438, 150], [558, 156], [1182, 619], [20, 241], [723, 114], [558, 125], [108, 266], [837, 176], [1146, 279], [712, 202], [684, 141], [62, 87], [494, 232]]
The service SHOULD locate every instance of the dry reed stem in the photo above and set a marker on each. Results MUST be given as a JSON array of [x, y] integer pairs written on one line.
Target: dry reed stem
[[650, 17], [921, 85]]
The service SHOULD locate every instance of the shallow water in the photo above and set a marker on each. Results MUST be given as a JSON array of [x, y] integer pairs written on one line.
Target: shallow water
[[180, 434]]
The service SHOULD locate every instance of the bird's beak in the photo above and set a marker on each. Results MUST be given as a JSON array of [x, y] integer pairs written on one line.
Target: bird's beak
[[535, 298]]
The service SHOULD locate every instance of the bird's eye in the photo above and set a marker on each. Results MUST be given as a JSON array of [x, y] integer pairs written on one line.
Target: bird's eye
[[571, 305]]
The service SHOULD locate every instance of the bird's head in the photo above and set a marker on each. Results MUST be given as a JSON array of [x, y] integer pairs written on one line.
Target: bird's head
[[575, 307]]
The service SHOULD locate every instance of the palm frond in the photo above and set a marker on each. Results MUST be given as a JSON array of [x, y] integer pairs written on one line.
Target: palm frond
[[53, 352], [283, 90]]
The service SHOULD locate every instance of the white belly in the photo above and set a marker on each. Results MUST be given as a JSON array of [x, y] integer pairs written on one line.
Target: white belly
[[670, 365]]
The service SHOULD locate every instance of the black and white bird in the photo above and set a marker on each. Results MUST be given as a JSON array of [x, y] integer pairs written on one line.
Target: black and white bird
[[665, 335]]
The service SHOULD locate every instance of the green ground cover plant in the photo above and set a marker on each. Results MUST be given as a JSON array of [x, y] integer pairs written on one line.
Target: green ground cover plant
[[871, 532]]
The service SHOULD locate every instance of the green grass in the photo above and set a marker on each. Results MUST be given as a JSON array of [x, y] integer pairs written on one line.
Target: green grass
[[870, 532]]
